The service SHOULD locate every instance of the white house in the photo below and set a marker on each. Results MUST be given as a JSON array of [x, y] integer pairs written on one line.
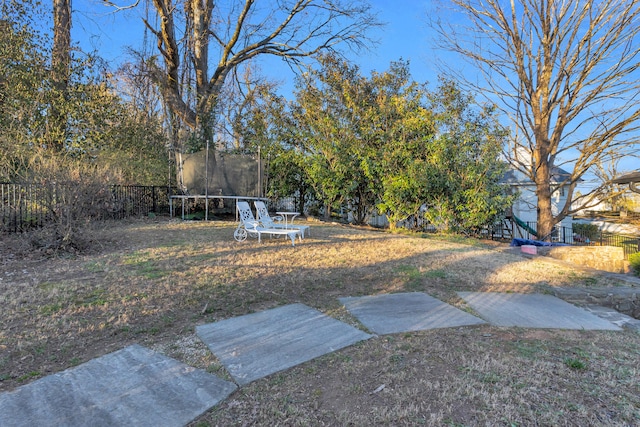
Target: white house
[[633, 180], [525, 207]]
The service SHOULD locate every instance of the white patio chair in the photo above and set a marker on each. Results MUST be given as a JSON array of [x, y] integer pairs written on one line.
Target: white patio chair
[[267, 221], [248, 226]]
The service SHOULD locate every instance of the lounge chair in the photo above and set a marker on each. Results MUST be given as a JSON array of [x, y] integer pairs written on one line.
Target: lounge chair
[[248, 226], [267, 221]]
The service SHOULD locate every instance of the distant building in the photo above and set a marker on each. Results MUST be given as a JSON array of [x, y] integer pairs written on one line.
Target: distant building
[[628, 201], [525, 206], [633, 180]]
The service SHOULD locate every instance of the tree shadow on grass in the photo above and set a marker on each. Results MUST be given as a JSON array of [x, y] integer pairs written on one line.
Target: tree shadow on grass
[[157, 281]]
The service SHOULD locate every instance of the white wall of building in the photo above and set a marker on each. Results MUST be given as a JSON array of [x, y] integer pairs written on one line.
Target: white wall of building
[[525, 206]]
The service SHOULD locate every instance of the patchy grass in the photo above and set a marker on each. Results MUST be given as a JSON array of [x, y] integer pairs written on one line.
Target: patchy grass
[[152, 281]]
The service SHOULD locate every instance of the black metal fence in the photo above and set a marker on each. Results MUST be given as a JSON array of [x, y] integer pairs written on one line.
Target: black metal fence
[[571, 236], [27, 206], [140, 200]]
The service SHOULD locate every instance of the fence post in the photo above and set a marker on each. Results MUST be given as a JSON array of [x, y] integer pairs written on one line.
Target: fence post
[[153, 198]]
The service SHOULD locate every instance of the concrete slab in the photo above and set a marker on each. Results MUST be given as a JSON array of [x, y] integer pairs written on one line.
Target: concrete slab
[[132, 386], [533, 311], [614, 317], [259, 344], [405, 312]]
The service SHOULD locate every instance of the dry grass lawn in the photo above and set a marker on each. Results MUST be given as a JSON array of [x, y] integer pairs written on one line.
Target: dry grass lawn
[[152, 281]]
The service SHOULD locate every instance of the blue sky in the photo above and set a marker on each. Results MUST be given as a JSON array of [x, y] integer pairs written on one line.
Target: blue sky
[[405, 35]]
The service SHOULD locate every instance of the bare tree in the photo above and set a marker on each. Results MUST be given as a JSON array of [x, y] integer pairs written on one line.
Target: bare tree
[[566, 74], [197, 33], [242, 99]]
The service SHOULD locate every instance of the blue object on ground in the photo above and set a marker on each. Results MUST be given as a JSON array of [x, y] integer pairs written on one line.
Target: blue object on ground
[[521, 242]]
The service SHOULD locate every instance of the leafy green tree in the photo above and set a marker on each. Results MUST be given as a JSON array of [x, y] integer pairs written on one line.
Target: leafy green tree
[[22, 101], [129, 140], [101, 129], [469, 145], [270, 125], [411, 175], [448, 170], [347, 120], [385, 142], [288, 160]]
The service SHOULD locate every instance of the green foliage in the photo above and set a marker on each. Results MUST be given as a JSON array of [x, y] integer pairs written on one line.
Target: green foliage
[[385, 144], [575, 363], [100, 128], [265, 122], [587, 231], [453, 172], [349, 125], [128, 139], [634, 260], [22, 71], [335, 112]]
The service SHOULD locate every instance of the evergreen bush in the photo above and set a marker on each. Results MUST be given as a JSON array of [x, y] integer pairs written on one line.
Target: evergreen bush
[[587, 231], [634, 260]]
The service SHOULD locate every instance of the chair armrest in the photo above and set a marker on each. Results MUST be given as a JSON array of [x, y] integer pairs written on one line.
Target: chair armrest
[[252, 224]]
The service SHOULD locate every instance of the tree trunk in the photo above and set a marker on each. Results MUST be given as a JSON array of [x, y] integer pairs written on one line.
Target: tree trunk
[[61, 58], [60, 70], [302, 191], [543, 193], [327, 212], [199, 13]]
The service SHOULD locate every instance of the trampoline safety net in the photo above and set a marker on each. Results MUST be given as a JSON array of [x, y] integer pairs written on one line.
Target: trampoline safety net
[[229, 174]]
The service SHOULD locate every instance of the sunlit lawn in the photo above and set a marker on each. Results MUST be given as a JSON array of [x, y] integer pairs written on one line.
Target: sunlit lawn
[[152, 282]]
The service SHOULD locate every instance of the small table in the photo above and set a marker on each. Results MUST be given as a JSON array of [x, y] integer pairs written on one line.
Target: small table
[[288, 217]]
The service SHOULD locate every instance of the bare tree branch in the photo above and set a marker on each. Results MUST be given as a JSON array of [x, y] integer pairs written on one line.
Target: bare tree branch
[[119, 8], [244, 30]]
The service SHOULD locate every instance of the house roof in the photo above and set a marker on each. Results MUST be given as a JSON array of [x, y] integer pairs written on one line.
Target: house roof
[[627, 178], [514, 177], [633, 179]]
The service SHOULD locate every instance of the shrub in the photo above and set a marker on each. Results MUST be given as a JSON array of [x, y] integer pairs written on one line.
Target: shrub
[[634, 260], [587, 231], [79, 195]]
